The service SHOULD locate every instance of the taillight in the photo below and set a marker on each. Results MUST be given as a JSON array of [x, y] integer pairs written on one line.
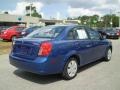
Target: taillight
[[45, 49], [117, 33], [4, 32]]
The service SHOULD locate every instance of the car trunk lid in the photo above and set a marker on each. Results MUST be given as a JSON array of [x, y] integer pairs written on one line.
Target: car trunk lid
[[27, 48]]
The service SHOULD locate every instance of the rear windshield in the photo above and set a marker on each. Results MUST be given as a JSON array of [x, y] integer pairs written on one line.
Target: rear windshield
[[9, 28], [110, 31], [47, 32], [35, 27]]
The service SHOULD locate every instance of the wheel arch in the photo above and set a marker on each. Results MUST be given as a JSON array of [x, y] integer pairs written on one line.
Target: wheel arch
[[111, 48], [77, 58], [73, 55]]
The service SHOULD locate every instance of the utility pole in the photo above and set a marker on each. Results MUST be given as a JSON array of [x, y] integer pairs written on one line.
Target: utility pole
[[119, 18], [111, 23], [31, 9]]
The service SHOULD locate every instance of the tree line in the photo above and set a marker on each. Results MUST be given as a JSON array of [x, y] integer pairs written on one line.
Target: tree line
[[97, 21]]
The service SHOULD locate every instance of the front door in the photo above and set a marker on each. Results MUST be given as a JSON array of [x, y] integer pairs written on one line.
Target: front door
[[98, 44]]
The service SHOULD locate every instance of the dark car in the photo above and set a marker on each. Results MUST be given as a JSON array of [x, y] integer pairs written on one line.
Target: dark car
[[109, 33], [112, 34], [59, 49], [27, 31]]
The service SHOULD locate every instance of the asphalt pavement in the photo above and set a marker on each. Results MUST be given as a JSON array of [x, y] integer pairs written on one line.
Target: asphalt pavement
[[99, 75]]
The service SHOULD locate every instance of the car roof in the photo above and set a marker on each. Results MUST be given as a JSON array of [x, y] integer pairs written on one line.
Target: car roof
[[68, 25]]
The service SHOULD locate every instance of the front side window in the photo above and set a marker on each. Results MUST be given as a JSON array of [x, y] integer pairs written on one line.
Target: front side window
[[94, 35], [20, 28]]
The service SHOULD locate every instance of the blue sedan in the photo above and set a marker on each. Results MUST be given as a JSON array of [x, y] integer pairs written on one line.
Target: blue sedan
[[59, 49]]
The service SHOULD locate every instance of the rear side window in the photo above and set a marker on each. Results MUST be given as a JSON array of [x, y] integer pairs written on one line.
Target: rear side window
[[82, 34], [77, 34]]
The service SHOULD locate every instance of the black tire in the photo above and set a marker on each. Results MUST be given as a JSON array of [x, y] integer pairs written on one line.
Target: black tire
[[117, 37], [65, 73], [108, 52]]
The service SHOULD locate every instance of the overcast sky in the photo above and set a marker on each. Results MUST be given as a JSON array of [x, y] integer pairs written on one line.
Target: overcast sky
[[62, 8]]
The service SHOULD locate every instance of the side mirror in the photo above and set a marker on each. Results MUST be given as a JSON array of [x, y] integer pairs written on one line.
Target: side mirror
[[102, 37]]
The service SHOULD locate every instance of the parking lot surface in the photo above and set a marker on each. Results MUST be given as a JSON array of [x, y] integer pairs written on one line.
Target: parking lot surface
[[99, 75]]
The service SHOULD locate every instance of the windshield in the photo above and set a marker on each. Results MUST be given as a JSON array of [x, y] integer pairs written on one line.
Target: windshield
[[47, 32], [10, 28]]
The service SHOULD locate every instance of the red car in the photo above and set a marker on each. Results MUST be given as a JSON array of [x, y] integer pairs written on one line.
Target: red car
[[11, 33]]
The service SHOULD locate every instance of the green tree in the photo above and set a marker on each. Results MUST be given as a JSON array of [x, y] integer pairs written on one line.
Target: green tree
[[84, 19], [106, 20], [94, 20], [97, 21], [34, 12], [6, 12], [115, 20]]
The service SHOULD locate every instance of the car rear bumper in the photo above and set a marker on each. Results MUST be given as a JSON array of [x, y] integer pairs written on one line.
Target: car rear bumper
[[113, 36], [30, 66], [38, 66]]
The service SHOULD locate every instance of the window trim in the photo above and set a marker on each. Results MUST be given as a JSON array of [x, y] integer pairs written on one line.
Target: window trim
[[68, 35]]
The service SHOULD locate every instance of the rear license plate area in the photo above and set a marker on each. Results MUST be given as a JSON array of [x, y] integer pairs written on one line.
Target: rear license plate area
[[23, 50]]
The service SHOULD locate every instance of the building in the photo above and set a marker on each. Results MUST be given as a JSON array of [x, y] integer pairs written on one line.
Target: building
[[11, 20]]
